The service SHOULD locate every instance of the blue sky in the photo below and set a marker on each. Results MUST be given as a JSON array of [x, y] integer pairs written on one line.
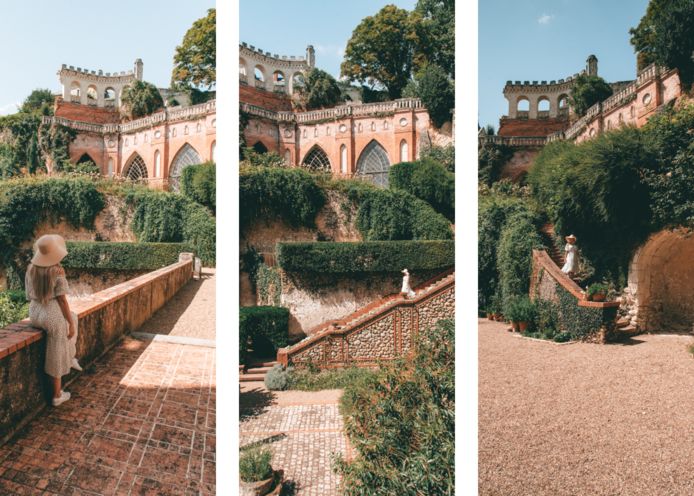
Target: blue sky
[[551, 39], [287, 27], [37, 36]]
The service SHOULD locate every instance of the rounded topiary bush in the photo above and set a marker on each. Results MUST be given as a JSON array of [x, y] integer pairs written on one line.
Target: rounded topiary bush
[[277, 378]]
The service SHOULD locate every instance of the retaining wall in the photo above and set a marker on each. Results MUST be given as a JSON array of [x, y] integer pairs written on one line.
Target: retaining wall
[[104, 318]]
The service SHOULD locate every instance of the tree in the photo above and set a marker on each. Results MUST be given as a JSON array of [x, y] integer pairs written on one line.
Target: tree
[[195, 58], [435, 27], [381, 50], [40, 100], [587, 91], [320, 90], [141, 98], [436, 91], [665, 36]]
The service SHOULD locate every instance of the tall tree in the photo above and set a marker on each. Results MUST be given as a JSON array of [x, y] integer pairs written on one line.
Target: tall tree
[[665, 36], [436, 91], [587, 91], [381, 50], [40, 100], [435, 26], [195, 58], [141, 98], [320, 90]]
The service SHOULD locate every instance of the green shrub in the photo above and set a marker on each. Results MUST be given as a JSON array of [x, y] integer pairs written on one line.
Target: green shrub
[[547, 317], [428, 181], [437, 92], [401, 421], [121, 256], [520, 309], [514, 255], [370, 256], [198, 182], [596, 288], [308, 380], [587, 91], [277, 378], [254, 464], [445, 155], [13, 307], [265, 329], [491, 159], [290, 194]]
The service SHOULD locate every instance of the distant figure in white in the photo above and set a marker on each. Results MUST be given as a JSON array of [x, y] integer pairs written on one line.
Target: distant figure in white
[[406, 290], [571, 265]]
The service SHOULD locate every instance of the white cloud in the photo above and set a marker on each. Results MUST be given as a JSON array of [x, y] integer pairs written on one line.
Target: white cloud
[[545, 18], [10, 108]]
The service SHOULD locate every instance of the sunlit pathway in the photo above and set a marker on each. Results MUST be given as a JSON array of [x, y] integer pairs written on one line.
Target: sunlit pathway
[[141, 421], [303, 430]]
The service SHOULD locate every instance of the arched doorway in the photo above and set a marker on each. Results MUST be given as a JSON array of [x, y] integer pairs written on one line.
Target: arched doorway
[[86, 158], [317, 160], [186, 156], [661, 278], [259, 147], [135, 169], [373, 164]]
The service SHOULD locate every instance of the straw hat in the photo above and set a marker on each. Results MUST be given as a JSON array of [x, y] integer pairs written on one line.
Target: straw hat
[[404, 271], [571, 237], [49, 250]]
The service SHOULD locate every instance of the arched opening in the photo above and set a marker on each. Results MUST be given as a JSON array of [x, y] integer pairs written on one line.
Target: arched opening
[[404, 151], [317, 160], [373, 164], [523, 105], [86, 158], [661, 276], [543, 106], [278, 77], [92, 95], [110, 167], [287, 157], [135, 169], [259, 147], [259, 76], [298, 81], [186, 156], [343, 159], [75, 92], [110, 97], [563, 102], [157, 164], [213, 151], [242, 70]]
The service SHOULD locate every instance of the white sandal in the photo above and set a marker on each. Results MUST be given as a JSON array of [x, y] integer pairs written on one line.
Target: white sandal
[[64, 396]]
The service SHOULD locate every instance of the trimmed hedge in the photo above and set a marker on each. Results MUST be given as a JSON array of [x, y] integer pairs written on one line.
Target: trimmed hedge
[[122, 256], [199, 183], [370, 256], [264, 329], [428, 180]]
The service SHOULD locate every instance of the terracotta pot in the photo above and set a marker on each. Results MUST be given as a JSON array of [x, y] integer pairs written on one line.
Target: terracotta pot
[[515, 326], [599, 297], [490, 316], [522, 326], [264, 487]]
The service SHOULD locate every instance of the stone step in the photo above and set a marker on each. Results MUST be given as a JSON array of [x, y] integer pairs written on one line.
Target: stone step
[[252, 378], [262, 364], [258, 370], [622, 323]]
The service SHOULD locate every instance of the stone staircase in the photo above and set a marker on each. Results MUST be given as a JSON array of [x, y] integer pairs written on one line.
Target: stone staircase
[[625, 330], [548, 239], [255, 372]]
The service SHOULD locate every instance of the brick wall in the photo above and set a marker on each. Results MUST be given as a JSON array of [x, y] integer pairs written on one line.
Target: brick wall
[[531, 127], [103, 319], [264, 99], [86, 113]]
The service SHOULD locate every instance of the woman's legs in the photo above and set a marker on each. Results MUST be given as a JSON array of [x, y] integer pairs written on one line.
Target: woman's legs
[[57, 387]]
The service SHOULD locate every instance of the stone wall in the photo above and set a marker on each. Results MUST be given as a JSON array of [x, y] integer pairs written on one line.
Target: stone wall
[[103, 319], [388, 334], [265, 99]]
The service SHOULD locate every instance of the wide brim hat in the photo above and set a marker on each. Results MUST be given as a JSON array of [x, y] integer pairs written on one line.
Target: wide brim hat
[[49, 250], [404, 271], [570, 237]]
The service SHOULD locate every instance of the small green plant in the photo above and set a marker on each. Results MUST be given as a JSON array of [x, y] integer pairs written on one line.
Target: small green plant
[[277, 378], [597, 288], [317, 380], [521, 309], [254, 464], [562, 337]]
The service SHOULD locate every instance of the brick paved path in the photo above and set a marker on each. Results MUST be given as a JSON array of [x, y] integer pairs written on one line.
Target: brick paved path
[[303, 430], [141, 421]]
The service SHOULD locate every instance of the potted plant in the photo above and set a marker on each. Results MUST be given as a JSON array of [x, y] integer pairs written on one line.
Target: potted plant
[[256, 474], [495, 308], [596, 291], [521, 311]]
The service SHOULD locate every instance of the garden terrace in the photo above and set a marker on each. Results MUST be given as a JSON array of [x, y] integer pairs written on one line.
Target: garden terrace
[[583, 319], [104, 318]]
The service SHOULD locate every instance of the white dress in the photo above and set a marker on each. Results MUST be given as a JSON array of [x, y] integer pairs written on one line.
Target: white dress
[[48, 316], [571, 264], [406, 289]]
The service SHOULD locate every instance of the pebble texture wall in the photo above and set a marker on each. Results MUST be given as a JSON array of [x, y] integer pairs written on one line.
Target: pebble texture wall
[[103, 319]]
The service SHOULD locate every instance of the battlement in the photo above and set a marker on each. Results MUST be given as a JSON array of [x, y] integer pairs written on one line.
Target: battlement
[[258, 51], [96, 88], [272, 72], [74, 71]]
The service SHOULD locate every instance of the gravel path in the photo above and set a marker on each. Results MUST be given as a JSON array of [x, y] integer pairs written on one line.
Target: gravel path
[[190, 313], [585, 419]]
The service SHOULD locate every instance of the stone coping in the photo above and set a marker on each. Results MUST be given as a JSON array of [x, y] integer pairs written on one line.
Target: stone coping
[[20, 334], [543, 259]]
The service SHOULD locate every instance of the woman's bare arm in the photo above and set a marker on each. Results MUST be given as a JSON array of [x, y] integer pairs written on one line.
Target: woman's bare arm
[[65, 308]]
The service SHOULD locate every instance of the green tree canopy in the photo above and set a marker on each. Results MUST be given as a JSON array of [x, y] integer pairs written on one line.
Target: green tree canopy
[[319, 91], [436, 91], [195, 58], [665, 36], [141, 98], [435, 27], [587, 91], [381, 50], [39, 100]]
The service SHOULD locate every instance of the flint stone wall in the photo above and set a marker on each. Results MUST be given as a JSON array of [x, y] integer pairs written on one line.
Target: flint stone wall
[[104, 318]]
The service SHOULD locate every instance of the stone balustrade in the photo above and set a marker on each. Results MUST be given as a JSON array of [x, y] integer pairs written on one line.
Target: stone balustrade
[[104, 318], [515, 141]]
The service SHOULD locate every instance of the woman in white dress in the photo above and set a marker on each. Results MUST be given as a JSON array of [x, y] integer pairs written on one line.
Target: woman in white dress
[[46, 288], [571, 265], [406, 290]]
